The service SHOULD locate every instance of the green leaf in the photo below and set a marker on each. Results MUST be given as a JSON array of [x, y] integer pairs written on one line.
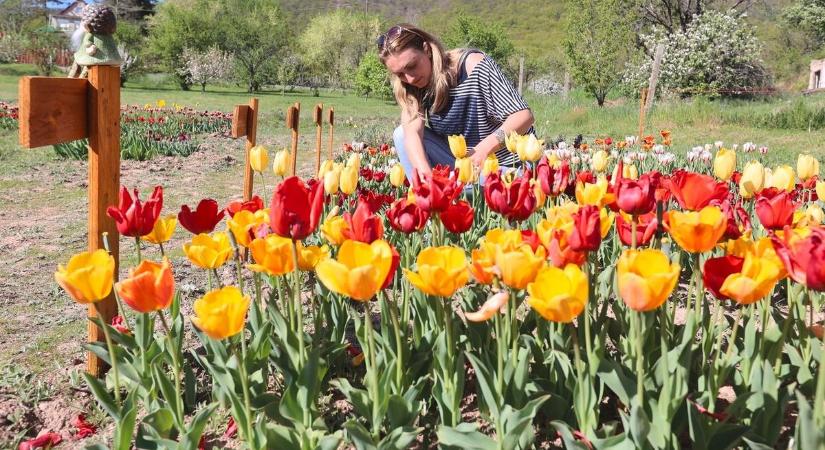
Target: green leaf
[[639, 424], [196, 426], [358, 397], [400, 412], [570, 442], [399, 439], [279, 437], [166, 388], [464, 436], [612, 374], [102, 395], [359, 436], [517, 423], [486, 383], [125, 427]]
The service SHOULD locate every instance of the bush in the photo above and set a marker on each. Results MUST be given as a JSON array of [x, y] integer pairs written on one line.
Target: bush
[[718, 55], [372, 79], [798, 116]]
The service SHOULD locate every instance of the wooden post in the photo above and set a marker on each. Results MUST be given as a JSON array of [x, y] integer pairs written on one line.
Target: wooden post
[[565, 90], [521, 75], [292, 116], [245, 123], [316, 116], [331, 122], [642, 113], [104, 183], [654, 76]]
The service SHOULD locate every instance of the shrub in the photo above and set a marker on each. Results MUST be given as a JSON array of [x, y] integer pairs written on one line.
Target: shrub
[[372, 79]]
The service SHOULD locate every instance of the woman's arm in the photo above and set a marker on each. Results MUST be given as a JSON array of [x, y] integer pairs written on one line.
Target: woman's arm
[[414, 143], [519, 121]]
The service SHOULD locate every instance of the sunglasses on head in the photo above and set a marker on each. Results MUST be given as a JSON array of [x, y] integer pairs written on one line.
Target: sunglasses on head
[[392, 34]]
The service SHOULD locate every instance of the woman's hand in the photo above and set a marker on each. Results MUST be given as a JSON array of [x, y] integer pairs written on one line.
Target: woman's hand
[[477, 157]]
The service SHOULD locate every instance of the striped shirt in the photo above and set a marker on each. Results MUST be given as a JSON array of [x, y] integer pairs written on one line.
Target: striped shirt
[[478, 105]]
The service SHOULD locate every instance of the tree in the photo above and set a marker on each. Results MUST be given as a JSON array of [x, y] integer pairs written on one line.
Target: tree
[[598, 40], [472, 32], [676, 15], [206, 67], [808, 16], [135, 10], [372, 79], [44, 44]]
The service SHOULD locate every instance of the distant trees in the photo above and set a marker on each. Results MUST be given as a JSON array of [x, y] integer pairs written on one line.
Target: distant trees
[[808, 16], [372, 78], [469, 31], [206, 67]]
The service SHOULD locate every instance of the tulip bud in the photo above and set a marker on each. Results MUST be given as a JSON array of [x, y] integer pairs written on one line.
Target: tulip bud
[[752, 180], [326, 166], [724, 164], [490, 165], [782, 178], [280, 163], [331, 180], [397, 175], [464, 166], [354, 161], [258, 158], [814, 214], [600, 161], [349, 179], [458, 146], [807, 166], [820, 189], [529, 148]]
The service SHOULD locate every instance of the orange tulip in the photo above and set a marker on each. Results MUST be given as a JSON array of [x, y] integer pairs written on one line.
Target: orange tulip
[[150, 286], [440, 271], [646, 278], [272, 254], [697, 231], [558, 295]]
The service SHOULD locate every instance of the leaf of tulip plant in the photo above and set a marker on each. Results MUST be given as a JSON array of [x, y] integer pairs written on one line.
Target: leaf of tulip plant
[[195, 429], [126, 424], [570, 442], [517, 424], [464, 436]]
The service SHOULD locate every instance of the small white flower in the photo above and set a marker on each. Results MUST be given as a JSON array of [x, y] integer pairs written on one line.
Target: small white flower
[[718, 144]]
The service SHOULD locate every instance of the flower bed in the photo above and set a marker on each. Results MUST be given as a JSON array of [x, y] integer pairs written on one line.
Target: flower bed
[[603, 296]]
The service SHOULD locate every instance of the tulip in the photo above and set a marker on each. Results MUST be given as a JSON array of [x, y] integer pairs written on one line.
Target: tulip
[[88, 276], [221, 313], [775, 208], [134, 218], [519, 266], [490, 165], [465, 172], [636, 197], [310, 256], [359, 271], [752, 179], [397, 175], [331, 180], [697, 231], [782, 178], [295, 210], [258, 158], [440, 271], [694, 191], [437, 192], [150, 287], [599, 161], [162, 231], [281, 163], [646, 225], [458, 217], [208, 252], [646, 278], [333, 229], [724, 164], [558, 295], [516, 202], [458, 146], [755, 281], [807, 166], [814, 215], [354, 161], [587, 232], [348, 180], [716, 270], [326, 166], [511, 141], [761, 248], [203, 219], [494, 304], [364, 225], [272, 254], [244, 225], [594, 193], [483, 264], [803, 257], [254, 204], [529, 148], [820, 189], [738, 220]]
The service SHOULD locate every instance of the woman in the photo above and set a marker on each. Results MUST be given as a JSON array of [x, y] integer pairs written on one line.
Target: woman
[[445, 93]]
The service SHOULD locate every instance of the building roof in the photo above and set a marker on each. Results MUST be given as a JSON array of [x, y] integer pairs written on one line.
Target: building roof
[[73, 10]]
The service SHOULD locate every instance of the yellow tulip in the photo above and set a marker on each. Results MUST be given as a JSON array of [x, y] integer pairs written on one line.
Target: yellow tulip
[[354, 161], [349, 179], [606, 221], [258, 158], [244, 222], [724, 163], [753, 179], [646, 278], [558, 295], [594, 193], [630, 171], [815, 215], [511, 141], [519, 266], [208, 252], [88, 276], [326, 166], [490, 165], [540, 195], [441, 271], [163, 230], [529, 148], [397, 175], [221, 313], [599, 161], [161, 103], [782, 178], [333, 229], [807, 166], [697, 231], [820, 189], [310, 256], [465, 170], [272, 255], [332, 179], [458, 146], [280, 163], [360, 270], [754, 282]]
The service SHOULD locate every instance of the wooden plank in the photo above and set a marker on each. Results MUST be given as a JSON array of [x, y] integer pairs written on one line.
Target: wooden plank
[[240, 118], [52, 110], [104, 182], [293, 118], [317, 116], [251, 127], [331, 121]]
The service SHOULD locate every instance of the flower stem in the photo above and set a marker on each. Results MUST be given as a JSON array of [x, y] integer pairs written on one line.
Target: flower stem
[[373, 375], [112, 355], [176, 366], [640, 368], [399, 349], [299, 310], [137, 246], [162, 252], [245, 387]]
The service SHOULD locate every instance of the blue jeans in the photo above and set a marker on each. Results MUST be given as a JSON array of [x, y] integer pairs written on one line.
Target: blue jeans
[[436, 149]]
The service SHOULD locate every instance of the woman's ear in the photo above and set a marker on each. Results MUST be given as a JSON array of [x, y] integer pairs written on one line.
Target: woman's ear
[[426, 48]]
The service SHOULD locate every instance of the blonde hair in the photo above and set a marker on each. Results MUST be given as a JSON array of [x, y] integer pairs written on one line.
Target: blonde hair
[[442, 78]]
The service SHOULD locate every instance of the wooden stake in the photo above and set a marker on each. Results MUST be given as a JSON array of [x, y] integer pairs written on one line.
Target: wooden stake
[[331, 122], [293, 114], [316, 116], [104, 183], [642, 113], [251, 141], [654, 76]]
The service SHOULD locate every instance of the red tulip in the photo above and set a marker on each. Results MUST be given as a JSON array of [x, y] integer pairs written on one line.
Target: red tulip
[[530, 237], [203, 219], [586, 235], [438, 190], [458, 218], [516, 202], [803, 258], [694, 191], [739, 221], [379, 176], [364, 225], [396, 261], [775, 208], [134, 218], [716, 271], [407, 217], [366, 173], [45, 440], [552, 181], [84, 428], [119, 324], [560, 253], [645, 228], [254, 204], [636, 197], [374, 200], [295, 210]]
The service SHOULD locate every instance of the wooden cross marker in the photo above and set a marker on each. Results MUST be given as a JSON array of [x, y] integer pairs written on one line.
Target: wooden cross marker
[[292, 116], [331, 122], [56, 110], [316, 116], [245, 123]]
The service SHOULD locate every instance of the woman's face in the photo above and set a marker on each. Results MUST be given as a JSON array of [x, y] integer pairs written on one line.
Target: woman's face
[[412, 66]]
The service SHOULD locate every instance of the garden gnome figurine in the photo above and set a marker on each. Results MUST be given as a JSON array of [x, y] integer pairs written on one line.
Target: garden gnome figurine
[[97, 46]]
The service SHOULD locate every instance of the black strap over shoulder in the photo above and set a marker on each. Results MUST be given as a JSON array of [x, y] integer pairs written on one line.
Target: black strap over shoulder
[[462, 63]]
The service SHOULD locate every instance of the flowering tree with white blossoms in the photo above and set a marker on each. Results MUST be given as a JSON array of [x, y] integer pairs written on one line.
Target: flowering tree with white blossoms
[[717, 55], [206, 67]]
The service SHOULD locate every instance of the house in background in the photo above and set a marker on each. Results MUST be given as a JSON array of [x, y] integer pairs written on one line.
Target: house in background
[[68, 19], [817, 80]]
